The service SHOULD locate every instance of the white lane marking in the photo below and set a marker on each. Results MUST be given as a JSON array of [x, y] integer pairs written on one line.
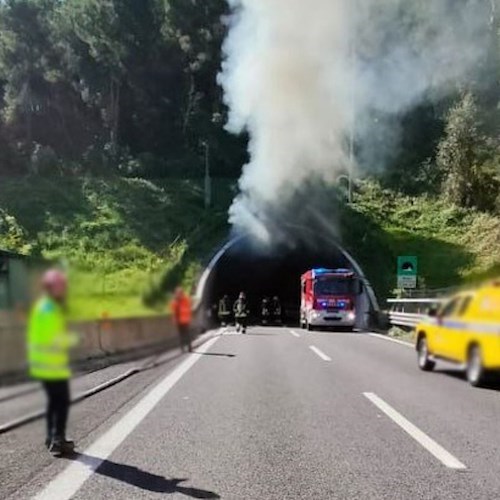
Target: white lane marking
[[320, 353], [294, 333], [391, 339], [423, 439], [71, 479]]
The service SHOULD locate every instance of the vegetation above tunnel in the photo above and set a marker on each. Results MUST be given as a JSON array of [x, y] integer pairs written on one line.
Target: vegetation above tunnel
[[455, 245], [131, 240]]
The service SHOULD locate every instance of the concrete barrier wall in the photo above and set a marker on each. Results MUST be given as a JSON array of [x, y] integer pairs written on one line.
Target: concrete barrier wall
[[12, 345], [97, 339]]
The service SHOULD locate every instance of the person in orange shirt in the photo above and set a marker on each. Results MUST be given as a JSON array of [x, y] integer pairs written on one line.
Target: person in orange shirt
[[182, 314]]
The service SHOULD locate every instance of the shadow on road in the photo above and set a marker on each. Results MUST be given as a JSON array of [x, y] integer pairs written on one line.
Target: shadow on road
[[492, 383], [141, 479], [262, 334], [451, 373], [222, 354]]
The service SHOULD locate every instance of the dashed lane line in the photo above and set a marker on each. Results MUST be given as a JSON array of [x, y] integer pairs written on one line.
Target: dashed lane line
[[435, 449], [320, 353]]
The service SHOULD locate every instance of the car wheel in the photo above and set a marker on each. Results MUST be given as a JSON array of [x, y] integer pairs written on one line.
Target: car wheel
[[424, 362], [476, 374]]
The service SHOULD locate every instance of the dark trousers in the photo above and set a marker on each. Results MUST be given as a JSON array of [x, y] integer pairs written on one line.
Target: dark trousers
[[58, 402], [185, 337], [241, 321]]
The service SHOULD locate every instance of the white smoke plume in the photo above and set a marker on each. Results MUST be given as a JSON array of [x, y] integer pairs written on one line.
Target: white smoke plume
[[301, 76]]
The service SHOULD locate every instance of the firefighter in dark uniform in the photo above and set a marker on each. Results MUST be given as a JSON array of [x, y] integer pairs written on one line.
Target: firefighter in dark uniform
[[265, 312], [224, 310], [240, 310], [275, 309]]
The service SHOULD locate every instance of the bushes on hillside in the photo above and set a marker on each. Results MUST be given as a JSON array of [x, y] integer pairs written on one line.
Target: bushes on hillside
[[466, 158]]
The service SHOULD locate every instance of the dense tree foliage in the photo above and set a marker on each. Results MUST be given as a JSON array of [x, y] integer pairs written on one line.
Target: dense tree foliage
[[130, 86], [450, 145], [464, 158], [102, 84]]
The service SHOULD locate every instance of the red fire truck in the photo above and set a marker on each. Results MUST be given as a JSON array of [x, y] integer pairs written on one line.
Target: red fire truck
[[328, 298]]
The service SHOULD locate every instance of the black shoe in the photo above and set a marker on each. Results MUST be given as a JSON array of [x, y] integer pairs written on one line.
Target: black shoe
[[48, 442], [62, 446]]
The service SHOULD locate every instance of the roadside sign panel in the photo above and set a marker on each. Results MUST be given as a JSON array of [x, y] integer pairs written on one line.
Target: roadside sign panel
[[407, 282], [407, 271]]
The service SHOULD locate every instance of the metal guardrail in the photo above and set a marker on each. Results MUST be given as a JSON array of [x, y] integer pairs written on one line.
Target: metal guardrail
[[428, 292], [405, 319], [409, 312]]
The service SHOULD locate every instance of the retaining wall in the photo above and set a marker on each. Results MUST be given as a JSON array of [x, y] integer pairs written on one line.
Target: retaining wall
[[97, 339]]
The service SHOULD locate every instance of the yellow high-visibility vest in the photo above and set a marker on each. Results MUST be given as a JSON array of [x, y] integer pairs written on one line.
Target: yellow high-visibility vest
[[48, 342]]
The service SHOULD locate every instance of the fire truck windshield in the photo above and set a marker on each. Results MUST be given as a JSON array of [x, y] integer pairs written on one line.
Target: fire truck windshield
[[333, 286]]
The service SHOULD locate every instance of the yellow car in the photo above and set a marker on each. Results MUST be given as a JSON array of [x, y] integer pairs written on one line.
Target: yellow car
[[464, 330]]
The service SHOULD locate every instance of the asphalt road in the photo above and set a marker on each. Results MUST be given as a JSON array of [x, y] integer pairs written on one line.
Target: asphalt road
[[274, 414]]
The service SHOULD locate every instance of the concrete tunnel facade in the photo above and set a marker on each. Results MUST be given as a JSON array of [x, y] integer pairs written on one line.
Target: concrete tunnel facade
[[242, 265]]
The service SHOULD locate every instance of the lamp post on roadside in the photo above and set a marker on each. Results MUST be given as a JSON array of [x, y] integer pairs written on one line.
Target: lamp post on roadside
[[351, 128], [351, 162], [208, 180], [346, 178]]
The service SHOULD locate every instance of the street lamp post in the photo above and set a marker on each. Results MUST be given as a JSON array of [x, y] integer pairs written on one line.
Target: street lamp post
[[347, 179], [208, 180], [351, 126], [351, 160]]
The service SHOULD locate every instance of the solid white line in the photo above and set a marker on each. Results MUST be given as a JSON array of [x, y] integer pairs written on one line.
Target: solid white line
[[320, 353], [423, 439], [391, 339], [294, 333], [71, 479]]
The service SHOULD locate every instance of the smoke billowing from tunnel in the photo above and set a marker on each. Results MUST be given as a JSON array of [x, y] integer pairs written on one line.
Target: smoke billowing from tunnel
[[302, 76]]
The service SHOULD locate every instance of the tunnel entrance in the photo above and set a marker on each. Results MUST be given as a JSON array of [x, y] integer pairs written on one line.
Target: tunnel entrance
[[265, 272]]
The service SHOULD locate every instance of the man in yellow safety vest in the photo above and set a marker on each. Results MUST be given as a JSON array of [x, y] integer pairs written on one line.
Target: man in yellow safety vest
[[49, 342]]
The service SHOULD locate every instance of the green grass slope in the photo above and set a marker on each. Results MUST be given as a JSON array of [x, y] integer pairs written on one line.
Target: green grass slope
[[127, 241], [119, 236], [454, 246]]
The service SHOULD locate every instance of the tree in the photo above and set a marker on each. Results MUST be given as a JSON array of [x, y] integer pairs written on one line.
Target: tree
[[26, 62], [462, 157]]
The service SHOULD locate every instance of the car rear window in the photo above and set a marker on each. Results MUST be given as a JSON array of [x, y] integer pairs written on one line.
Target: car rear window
[[449, 308], [464, 306]]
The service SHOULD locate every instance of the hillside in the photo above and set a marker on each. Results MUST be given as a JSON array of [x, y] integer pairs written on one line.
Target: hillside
[[455, 246], [129, 240], [120, 236]]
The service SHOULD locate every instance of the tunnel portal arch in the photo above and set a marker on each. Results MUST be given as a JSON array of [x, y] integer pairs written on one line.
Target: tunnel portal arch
[[243, 265]]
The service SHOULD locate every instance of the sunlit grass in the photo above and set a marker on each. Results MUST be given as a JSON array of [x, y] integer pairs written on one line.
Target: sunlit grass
[[118, 237]]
